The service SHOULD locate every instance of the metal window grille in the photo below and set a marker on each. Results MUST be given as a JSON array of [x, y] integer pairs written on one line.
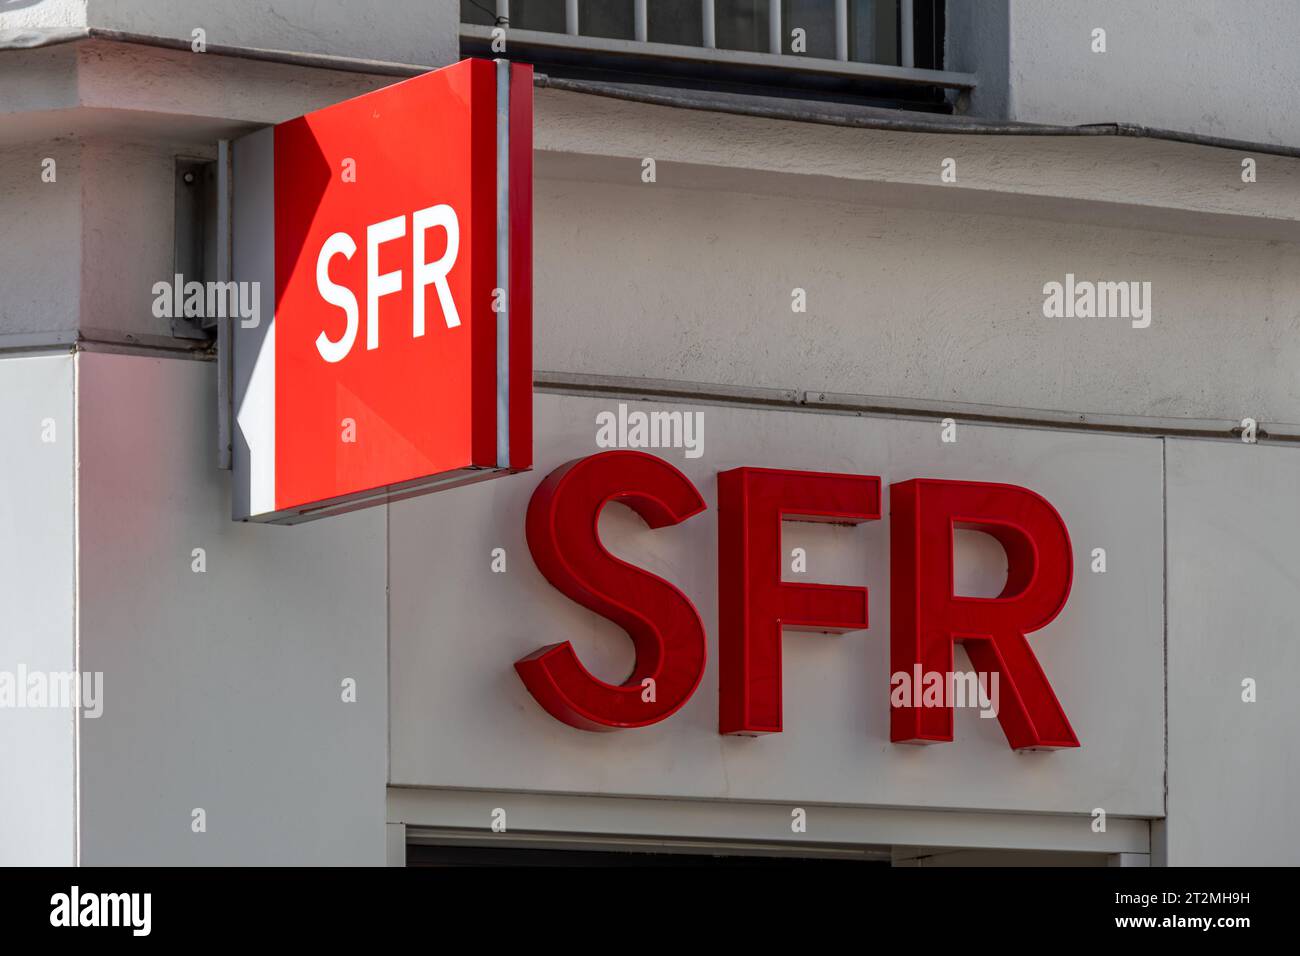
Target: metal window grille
[[899, 40]]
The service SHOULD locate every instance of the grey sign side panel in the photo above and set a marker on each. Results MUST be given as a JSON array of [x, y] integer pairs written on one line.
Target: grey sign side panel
[[253, 259]]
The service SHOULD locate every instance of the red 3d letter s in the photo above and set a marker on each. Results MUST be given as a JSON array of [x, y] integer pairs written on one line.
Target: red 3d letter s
[[662, 622]]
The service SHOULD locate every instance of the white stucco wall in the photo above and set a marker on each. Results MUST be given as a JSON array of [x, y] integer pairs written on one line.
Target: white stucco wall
[[223, 689], [38, 812], [1234, 766], [26, 15]]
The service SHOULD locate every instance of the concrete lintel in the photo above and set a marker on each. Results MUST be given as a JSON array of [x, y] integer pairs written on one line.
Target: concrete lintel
[[748, 822]]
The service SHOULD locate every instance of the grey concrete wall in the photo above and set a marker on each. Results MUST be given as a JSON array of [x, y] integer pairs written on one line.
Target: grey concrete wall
[[129, 190], [40, 278], [38, 812], [20, 15], [909, 282], [1234, 766], [906, 301], [404, 31], [1169, 63], [223, 689], [1217, 67]]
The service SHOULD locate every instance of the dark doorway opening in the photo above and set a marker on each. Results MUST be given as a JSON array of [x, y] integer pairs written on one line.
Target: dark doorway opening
[[424, 854]]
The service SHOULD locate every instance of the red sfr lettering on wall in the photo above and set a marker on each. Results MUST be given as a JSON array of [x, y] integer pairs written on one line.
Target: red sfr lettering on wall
[[755, 605]]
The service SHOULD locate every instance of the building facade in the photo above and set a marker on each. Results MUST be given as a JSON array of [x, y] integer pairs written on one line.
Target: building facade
[[1044, 245]]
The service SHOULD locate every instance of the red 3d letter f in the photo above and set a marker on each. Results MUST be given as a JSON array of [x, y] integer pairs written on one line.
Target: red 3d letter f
[[927, 617], [754, 604]]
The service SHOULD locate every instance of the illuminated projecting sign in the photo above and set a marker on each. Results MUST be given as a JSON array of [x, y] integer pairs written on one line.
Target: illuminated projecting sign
[[395, 230], [927, 616]]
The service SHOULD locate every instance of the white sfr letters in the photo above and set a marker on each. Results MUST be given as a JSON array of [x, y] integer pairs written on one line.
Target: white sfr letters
[[424, 274]]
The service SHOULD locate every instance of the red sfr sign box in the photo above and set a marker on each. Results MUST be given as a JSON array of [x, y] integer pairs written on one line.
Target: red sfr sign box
[[390, 238]]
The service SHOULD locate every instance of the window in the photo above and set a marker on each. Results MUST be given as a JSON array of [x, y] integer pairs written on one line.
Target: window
[[858, 31], [743, 25], [676, 21], [887, 51]]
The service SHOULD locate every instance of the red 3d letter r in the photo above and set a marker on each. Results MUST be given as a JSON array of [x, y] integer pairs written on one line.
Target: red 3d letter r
[[927, 617]]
